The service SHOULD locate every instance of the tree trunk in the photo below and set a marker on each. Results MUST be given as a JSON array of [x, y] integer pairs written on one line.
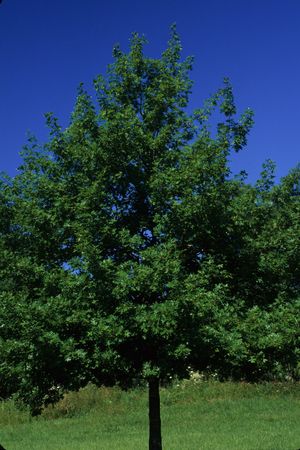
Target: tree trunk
[[155, 442]]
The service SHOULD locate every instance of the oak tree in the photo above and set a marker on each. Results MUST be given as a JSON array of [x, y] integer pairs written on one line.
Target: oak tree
[[129, 257]]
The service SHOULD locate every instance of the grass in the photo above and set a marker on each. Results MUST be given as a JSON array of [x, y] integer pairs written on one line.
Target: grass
[[195, 416]]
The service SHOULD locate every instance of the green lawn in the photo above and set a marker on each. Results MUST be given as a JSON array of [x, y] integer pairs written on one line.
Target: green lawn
[[195, 416]]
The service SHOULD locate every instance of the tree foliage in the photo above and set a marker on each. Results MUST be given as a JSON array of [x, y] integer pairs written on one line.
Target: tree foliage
[[130, 251]]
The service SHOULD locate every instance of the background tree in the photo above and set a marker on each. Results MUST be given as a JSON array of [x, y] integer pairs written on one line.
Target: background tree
[[131, 253], [271, 257]]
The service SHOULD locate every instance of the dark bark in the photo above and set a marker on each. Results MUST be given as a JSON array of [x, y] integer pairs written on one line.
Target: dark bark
[[155, 442]]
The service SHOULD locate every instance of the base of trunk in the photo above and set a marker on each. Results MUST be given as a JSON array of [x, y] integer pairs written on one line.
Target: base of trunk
[[155, 441]]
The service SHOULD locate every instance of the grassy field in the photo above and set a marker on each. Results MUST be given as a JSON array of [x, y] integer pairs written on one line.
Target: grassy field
[[195, 416]]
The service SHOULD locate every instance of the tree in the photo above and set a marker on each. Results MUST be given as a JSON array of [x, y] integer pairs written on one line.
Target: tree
[[122, 238], [271, 258]]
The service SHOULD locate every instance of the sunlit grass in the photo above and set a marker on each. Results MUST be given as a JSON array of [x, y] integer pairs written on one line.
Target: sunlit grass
[[195, 416]]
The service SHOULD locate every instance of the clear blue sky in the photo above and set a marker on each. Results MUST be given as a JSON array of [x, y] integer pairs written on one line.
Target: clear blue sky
[[48, 47]]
